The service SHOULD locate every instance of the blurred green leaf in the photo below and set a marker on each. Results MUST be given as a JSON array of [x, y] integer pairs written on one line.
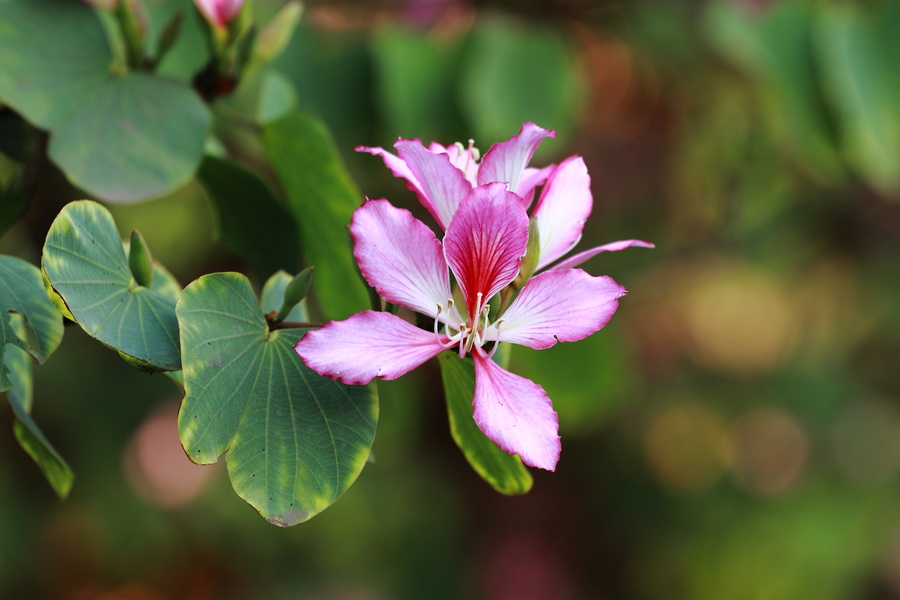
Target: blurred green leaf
[[86, 265], [417, 81], [53, 56], [864, 88], [516, 73], [138, 137], [294, 441], [264, 97], [322, 197], [252, 223], [773, 46], [504, 472]]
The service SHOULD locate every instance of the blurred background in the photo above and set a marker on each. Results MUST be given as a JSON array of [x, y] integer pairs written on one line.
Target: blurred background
[[733, 433]]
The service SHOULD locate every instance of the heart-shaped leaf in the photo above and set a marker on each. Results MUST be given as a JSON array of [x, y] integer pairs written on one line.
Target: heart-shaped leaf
[[293, 441], [505, 473], [137, 137], [86, 265]]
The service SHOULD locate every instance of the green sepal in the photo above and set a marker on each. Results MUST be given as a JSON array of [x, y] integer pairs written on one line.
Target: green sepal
[[139, 260]]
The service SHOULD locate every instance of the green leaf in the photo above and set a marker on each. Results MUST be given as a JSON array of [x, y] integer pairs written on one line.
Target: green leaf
[[516, 73], [137, 137], [53, 55], [293, 441], [504, 472], [86, 265], [322, 197], [22, 294], [264, 96], [252, 223], [864, 88]]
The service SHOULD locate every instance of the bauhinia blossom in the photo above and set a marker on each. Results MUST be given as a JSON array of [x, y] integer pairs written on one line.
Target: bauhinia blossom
[[442, 175], [485, 240], [219, 12]]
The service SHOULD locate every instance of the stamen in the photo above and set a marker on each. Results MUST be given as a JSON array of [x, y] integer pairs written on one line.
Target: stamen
[[497, 341], [476, 154]]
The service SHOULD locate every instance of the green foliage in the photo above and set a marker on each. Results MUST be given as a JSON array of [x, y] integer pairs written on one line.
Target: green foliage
[[22, 295], [86, 266], [505, 473], [252, 223], [294, 441], [322, 197]]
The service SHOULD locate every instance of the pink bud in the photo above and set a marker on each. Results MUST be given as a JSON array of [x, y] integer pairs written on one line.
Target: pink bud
[[219, 12]]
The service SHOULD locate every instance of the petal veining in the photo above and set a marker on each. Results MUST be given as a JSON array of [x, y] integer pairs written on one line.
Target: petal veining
[[558, 306], [507, 160], [516, 414], [400, 257], [486, 241], [443, 185], [562, 209], [367, 345]]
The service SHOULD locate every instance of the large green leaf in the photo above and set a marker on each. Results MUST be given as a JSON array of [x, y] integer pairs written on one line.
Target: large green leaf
[[322, 197], [505, 473], [53, 54], [87, 267], [136, 137], [251, 221], [294, 441], [24, 302], [864, 88]]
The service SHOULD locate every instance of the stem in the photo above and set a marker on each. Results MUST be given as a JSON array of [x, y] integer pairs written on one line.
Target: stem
[[294, 325]]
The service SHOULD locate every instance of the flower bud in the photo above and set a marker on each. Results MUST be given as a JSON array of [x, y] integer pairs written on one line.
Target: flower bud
[[219, 12], [139, 260]]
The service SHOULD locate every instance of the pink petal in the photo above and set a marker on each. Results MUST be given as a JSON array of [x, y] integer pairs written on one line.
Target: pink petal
[[558, 306], [574, 261], [506, 161], [485, 242], [516, 414], [219, 12], [532, 178], [443, 185], [368, 345], [562, 209], [400, 257], [399, 168]]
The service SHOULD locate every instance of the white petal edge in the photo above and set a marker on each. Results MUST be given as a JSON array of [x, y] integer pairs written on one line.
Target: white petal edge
[[574, 261]]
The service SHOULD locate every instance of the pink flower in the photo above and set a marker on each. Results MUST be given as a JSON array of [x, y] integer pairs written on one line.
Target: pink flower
[[219, 12], [442, 175], [483, 247]]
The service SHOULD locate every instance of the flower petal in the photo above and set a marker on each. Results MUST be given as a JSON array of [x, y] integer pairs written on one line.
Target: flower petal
[[442, 184], [486, 241], [562, 209], [558, 306], [531, 178], [400, 257], [369, 344], [506, 161], [516, 414], [574, 261], [397, 166]]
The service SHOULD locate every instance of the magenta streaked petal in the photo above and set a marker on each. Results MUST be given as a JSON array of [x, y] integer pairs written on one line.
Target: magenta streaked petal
[[485, 242], [507, 160], [562, 209], [558, 306], [400, 257], [532, 178], [368, 345], [516, 414], [443, 185], [574, 261], [398, 167]]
